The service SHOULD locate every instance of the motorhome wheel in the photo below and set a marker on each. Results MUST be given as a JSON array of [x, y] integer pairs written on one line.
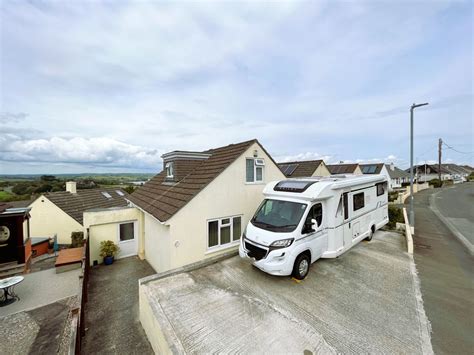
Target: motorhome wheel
[[301, 267], [371, 234]]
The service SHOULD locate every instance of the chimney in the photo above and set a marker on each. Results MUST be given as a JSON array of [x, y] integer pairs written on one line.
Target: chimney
[[71, 187], [392, 166]]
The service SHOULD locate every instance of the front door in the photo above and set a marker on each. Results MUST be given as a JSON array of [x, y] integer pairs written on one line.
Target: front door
[[127, 239]]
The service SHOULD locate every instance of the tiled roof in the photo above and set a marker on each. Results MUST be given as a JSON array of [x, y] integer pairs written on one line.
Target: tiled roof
[[75, 204], [299, 168], [163, 200], [4, 206], [371, 168], [396, 173], [342, 168]]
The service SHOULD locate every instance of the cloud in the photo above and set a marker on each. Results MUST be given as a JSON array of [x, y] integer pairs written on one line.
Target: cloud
[[330, 77], [100, 152], [10, 117]]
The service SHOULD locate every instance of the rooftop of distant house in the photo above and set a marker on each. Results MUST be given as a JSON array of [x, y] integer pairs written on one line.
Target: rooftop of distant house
[[299, 168]]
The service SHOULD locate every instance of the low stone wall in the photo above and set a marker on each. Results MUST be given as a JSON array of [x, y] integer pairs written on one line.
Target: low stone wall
[[416, 188]]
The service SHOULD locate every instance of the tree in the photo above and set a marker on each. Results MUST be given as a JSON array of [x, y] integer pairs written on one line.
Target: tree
[[129, 189], [48, 178], [21, 188]]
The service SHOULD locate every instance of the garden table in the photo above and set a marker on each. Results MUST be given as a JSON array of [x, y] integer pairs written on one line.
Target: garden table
[[9, 295]]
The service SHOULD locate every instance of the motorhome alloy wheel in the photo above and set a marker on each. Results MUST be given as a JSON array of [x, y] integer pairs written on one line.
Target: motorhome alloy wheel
[[301, 267]]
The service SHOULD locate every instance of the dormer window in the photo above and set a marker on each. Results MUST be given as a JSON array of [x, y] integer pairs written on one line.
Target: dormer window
[[169, 170]]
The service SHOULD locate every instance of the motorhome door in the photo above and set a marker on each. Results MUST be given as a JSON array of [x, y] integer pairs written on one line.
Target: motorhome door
[[347, 222]]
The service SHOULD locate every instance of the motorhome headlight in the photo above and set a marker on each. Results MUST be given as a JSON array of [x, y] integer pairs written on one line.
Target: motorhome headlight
[[283, 243]]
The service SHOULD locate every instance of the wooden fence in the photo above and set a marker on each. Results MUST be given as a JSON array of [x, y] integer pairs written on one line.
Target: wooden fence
[[78, 319]]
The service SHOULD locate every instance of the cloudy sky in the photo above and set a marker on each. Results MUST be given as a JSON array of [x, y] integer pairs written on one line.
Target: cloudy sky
[[89, 86]]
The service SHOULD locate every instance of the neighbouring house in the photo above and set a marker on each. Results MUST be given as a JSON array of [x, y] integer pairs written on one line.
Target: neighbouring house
[[427, 172], [458, 172], [305, 168], [199, 205], [15, 244], [398, 177], [395, 176], [61, 213], [336, 169]]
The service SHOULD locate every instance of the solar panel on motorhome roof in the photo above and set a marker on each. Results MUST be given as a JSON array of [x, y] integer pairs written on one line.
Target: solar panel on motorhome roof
[[293, 185]]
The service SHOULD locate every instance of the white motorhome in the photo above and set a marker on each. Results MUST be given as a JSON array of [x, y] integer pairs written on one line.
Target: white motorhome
[[302, 220]]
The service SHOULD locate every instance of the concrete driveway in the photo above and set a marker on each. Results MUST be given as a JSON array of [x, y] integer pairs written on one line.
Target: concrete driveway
[[366, 301]]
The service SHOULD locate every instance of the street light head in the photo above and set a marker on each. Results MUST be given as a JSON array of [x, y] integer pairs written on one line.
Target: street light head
[[418, 105]]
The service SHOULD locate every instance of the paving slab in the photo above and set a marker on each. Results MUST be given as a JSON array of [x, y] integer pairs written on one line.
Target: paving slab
[[366, 301]]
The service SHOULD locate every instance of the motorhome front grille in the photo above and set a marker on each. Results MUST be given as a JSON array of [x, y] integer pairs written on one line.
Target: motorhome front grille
[[255, 252]]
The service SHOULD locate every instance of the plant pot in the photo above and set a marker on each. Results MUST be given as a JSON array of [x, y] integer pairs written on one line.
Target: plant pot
[[108, 260]]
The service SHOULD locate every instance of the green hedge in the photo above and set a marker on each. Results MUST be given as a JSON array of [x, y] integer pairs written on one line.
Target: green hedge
[[395, 214], [435, 183]]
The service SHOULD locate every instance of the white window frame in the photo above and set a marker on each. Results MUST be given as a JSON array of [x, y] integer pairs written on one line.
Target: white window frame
[[169, 167], [258, 163], [135, 232], [233, 242]]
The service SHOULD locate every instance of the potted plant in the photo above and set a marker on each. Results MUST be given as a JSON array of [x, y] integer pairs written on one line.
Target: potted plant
[[108, 249]]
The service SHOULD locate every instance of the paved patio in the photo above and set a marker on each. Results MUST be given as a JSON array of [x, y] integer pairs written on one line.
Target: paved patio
[[42, 288], [112, 322]]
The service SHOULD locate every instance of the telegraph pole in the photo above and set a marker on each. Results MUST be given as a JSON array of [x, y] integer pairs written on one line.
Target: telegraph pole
[[440, 147]]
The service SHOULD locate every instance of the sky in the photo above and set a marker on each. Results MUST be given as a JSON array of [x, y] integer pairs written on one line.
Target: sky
[[91, 86]]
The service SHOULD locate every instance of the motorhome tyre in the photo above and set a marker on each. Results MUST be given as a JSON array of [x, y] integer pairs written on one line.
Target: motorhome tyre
[[301, 266], [371, 234]]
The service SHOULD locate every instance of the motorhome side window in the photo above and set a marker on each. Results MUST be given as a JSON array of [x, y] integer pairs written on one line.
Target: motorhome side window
[[358, 201], [223, 231], [380, 189], [254, 170], [316, 213]]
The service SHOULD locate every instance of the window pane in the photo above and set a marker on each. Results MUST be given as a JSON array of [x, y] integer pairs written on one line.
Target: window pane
[[259, 173], [225, 235], [358, 201], [213, 233], [225, 221], [126, 231], [249, 171], [237, 228]]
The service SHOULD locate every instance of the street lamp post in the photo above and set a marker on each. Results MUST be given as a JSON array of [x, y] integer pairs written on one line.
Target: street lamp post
[[412, 211]]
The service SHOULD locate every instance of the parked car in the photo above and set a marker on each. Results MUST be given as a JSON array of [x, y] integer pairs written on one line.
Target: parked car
[[302, 220]]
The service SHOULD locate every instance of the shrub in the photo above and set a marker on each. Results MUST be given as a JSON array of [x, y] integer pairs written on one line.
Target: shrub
[[108, 248], [392, 196], [77, 239], [435, 183], [395, 214], [405, 184]]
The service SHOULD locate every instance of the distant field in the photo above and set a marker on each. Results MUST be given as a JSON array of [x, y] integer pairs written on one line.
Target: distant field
[[4, 195]]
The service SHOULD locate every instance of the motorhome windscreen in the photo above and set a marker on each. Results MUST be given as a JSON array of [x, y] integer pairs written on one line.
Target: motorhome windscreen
[[293, 185], [279, 216]]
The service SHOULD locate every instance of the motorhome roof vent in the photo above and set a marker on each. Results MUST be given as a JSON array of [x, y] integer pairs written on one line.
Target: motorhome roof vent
[[293, 185]]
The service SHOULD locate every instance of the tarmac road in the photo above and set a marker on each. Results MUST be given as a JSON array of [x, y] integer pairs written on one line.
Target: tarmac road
[[446, 268], [456, 204]]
